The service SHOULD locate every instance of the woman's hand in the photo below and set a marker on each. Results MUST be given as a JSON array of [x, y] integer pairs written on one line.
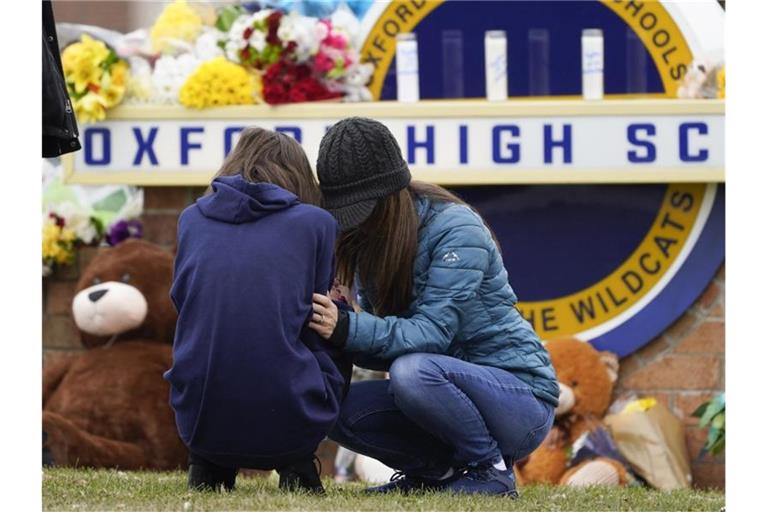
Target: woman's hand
[[324, 316]]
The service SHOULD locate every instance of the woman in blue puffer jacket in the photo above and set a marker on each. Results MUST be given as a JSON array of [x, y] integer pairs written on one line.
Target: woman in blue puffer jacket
[[471, 387]]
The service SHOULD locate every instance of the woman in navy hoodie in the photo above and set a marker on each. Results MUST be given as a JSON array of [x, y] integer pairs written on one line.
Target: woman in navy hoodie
[[251, 385]]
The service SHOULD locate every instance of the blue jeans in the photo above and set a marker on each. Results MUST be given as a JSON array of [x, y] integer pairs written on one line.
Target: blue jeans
[[438, 412]]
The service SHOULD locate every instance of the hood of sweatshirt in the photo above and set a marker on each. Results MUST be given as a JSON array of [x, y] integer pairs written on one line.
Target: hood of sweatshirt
[[235, 200]]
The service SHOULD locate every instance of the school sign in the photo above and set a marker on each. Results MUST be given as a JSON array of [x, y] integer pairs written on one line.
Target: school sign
[[447, 142], [610, 214]]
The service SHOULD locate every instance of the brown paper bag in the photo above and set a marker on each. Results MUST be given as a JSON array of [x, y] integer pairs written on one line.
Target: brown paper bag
[[653, 442]]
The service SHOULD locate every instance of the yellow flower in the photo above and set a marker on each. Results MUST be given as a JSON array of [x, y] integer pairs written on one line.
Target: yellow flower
[[58, 244], [90, 108], [218, 82], [177, 21], [721, 82], [639, 405], [93, 87]]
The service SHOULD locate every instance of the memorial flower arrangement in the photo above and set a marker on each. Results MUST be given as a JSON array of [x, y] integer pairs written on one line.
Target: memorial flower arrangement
[[231, 56], [96, 78]]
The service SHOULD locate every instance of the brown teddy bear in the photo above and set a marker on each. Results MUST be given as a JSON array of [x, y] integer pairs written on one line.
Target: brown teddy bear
[[586, 379], [108, 406]]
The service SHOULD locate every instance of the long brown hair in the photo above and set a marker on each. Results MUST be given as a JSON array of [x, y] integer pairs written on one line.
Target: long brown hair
[[264, 156], [382, 249]]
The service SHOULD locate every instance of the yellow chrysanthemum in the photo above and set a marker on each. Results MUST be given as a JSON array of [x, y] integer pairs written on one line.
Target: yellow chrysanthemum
[[177, 21], [218, 82]]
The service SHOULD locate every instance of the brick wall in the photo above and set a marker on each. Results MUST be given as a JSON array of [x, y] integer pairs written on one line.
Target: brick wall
[[682, 368]]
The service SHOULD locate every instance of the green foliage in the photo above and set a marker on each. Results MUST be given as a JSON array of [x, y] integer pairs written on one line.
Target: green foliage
[[227, 16], [84, 490], [712, 413]]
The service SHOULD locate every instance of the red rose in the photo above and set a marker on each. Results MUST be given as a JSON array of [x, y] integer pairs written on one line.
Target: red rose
[[273, 22]]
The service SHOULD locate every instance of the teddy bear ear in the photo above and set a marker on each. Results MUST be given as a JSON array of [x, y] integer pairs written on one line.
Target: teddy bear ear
[[611, 363]]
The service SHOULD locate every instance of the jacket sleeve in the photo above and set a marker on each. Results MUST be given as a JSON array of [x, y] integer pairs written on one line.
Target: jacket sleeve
[[325, 268], [458, 261]]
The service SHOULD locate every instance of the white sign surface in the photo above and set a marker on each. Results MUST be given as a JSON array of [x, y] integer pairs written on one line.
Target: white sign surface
[[492, 147]]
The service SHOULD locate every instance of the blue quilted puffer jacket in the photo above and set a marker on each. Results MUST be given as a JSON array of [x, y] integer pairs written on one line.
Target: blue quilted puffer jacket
[[462, 305]]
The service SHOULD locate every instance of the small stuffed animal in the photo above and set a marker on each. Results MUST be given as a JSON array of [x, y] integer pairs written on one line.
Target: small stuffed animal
[[703, 79], [108, 406], [356, 83], [586, 379]]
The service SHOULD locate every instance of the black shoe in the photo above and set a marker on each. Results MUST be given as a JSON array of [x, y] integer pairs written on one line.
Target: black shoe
[[485, 480], [204, 476], [47, 455], [401, 482], [303, 476]]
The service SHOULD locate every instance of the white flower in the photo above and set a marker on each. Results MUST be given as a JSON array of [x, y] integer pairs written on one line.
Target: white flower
[[261, 15], [78, 219], [301, 30], [232, 51], [344, 19], [321, 30], [169, 75], [206, 46], [258, 40], [238, 27]]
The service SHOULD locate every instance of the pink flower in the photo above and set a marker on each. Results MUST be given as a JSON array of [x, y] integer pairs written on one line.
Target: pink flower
[[323, 62], [336, 40]]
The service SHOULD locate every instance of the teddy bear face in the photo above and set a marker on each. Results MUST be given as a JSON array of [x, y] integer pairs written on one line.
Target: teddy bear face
[[125, 294], [586, 376]]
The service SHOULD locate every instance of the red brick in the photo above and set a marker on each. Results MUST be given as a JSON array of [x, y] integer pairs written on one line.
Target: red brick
[[708, 476], [681, 326], [653, 349], [721, 273], [686, 403], [58, 296], [718, 310], [160, 228], [709, 295], [677, 372], [167, 198], [695, 439], [59, 331], [65, 272], [708, 337], [85, 255], [627, 367]]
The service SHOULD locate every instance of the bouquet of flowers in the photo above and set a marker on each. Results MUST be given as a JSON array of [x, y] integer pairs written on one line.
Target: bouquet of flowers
[[95, 76], [301, 58], [177, 22], [58, 243]]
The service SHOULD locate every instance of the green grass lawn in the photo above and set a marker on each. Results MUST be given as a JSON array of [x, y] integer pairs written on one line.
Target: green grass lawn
[[70, 489]]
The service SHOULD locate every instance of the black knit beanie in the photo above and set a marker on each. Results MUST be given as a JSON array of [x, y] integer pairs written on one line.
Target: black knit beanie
[[359, 162]]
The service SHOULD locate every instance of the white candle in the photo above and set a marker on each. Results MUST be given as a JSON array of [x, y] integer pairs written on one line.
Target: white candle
[[407, 53], [592, 64], [496, 65]]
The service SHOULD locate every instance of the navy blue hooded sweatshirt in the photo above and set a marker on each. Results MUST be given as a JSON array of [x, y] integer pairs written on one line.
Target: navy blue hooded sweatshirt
[[251, 384]]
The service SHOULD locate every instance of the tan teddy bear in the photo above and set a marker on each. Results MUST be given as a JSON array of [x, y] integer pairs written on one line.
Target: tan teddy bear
[[586, 379]]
